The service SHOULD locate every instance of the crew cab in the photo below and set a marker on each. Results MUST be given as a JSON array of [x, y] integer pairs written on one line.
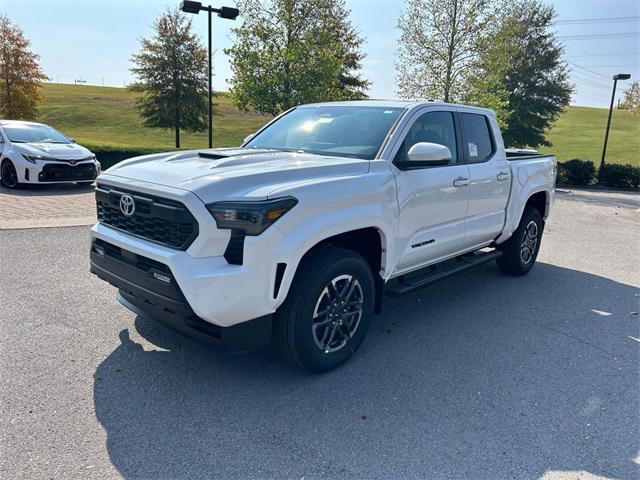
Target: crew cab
[[297, 235], [32, 152]]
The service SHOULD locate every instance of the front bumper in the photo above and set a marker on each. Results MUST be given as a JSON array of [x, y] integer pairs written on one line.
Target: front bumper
[[58, 172], [149, 289]]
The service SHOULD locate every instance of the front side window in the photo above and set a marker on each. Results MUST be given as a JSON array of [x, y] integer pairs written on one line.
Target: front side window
[[350, 131], [25, 133], [477, 137], [432, 127]]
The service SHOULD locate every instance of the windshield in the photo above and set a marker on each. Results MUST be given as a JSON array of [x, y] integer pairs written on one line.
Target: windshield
[[25, 133], [351, 131]]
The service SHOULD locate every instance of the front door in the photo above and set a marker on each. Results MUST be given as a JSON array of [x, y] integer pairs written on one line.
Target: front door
[[433, 201]]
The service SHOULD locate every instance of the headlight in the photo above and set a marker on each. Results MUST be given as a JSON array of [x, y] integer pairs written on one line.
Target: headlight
[[33, 158], [252, 218]]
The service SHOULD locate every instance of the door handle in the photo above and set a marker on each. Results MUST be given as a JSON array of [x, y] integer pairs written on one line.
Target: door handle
[[461, 182], [502, 176]]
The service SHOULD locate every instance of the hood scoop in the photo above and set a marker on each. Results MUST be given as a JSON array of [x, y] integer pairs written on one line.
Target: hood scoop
[[214, 156], [231, 152]]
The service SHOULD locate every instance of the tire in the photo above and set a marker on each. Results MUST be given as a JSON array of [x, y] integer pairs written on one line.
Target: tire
[[8, 175], [519, 253], [303, 325]]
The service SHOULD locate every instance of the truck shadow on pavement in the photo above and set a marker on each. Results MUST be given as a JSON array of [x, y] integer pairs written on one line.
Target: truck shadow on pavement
[[482, 376]]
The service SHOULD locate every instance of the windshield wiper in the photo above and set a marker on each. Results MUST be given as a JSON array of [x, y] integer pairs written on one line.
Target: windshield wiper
[[18, 141]]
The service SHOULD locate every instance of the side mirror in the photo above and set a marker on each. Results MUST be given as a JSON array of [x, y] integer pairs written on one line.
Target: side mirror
[[425, 154], [248, 138]]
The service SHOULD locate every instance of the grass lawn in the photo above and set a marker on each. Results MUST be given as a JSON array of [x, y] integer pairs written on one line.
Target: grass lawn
[[107, 117], [579, 133]]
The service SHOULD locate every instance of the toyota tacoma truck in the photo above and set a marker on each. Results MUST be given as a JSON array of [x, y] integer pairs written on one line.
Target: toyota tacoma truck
[[298, 235]]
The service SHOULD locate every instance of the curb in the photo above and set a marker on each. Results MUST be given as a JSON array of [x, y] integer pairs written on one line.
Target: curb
[[27, 223]]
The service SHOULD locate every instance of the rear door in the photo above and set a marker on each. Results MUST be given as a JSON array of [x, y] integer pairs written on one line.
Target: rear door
[[490, 177], [433, 201]]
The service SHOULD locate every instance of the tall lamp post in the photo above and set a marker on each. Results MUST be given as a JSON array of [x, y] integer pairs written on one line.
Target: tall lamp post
[[223, 12], [619, 76]]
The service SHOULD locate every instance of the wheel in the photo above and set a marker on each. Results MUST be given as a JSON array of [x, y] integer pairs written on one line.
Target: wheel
[[8, 174], [519, 253], [328, 310]]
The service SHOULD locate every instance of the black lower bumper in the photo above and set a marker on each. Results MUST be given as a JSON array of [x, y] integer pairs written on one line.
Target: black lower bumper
[[148, 288], [68, 173]]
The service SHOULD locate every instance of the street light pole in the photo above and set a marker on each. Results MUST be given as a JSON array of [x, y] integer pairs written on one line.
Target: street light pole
[[210, 87], [619, 76], [224, 12]]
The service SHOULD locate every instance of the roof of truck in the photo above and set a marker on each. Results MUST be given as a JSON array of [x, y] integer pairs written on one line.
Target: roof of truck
[[394, 104]]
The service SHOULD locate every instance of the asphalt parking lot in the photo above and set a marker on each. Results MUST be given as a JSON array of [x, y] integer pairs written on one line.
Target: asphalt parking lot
[[479, 377]]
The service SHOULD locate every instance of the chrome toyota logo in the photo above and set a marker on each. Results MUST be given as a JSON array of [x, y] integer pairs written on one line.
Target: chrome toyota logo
[[127, 205]]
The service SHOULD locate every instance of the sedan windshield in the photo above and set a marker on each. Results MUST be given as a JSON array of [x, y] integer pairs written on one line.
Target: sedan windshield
[[351, 131], [25, 133]]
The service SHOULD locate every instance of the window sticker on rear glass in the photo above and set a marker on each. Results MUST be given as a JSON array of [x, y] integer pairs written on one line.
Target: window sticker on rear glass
[[473, 150]]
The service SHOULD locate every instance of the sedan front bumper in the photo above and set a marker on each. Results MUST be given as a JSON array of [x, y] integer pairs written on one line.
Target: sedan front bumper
[[58, 172]]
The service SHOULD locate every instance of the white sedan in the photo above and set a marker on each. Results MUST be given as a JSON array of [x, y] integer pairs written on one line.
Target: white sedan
[[35, 153]]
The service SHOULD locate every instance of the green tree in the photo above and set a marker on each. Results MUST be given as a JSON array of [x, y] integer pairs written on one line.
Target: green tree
[[438, 47], [20, 74], [290, 52], [521, 73], [631, 99], [171, 71]]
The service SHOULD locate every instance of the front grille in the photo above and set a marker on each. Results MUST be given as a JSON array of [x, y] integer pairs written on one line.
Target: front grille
[[160, 220], [67, 173]]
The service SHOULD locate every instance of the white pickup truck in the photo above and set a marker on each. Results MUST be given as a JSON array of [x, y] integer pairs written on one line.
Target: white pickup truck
[[297, 235]]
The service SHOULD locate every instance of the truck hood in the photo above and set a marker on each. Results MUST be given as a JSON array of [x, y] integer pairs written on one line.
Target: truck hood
[[63, 151], [235, 173]]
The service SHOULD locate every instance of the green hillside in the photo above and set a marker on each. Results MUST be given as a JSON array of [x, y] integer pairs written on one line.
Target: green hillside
[[579, 133], [107, 117]]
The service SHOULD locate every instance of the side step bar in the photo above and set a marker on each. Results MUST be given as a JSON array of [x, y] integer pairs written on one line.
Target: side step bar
[[411, 281]]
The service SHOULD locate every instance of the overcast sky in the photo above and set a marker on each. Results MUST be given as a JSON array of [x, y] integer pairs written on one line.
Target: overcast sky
[[93, 40]]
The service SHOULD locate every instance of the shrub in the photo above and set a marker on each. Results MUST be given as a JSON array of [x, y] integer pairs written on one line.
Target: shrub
[[615, 175], [576, 172], [109, 156]]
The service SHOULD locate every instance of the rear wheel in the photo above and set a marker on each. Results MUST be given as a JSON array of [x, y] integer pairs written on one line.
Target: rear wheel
[[328, 310], [519, 253], [8, 174]]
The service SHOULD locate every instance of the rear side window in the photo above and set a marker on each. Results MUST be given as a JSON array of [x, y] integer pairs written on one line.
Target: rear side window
[[477, 137]]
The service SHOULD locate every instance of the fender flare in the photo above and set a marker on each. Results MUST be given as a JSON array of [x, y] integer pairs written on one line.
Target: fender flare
[[307, 235]]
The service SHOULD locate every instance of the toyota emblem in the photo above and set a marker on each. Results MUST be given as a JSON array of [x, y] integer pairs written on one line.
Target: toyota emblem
[[127, 205]]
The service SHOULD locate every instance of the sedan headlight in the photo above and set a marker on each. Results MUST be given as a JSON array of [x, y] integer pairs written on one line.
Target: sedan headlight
[[33, 158], [252, 218]]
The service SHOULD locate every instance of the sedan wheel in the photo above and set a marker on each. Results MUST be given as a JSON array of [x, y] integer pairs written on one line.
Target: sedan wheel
[[9, 175]]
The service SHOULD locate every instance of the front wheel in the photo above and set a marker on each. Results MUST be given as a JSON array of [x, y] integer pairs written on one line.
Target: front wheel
[[519, 253], [8, 174], [328, 310]]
